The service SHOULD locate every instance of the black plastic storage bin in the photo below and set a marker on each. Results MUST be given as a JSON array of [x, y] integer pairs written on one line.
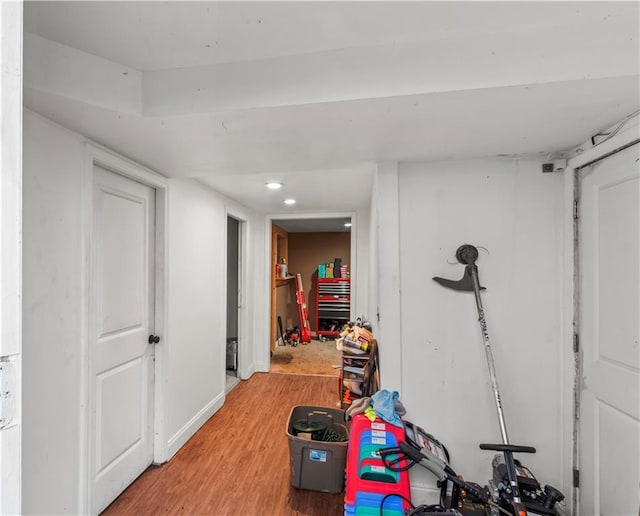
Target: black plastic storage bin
[[317, 465]]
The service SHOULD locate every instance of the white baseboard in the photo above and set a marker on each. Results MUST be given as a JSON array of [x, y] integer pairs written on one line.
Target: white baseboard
[[249, 372], [261, 367], [194, 424]]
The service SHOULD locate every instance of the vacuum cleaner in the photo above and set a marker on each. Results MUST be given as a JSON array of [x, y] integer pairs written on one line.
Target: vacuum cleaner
[[459, 497], [513, 487]]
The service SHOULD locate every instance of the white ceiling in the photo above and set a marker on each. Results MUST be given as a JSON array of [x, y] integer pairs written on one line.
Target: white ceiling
[[314, 93], [165, 35]]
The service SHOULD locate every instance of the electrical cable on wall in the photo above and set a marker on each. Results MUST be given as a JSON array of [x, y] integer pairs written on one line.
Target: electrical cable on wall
[[615, 131]]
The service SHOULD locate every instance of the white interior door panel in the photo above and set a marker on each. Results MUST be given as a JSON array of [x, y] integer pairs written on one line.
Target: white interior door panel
[[122, 358], [609, 236]]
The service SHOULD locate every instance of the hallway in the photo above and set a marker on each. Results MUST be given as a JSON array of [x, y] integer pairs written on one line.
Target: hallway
[[314, 358], [238, 462]]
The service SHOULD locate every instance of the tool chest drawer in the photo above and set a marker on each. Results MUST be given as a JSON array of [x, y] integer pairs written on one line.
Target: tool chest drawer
[[333, 305]]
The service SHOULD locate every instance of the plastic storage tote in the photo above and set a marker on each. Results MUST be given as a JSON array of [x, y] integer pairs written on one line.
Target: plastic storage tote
[[316, 464]]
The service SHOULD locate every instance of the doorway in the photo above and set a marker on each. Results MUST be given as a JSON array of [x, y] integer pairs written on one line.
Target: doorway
[[233, 300], [319, 249], [122, 426], [608, 307]]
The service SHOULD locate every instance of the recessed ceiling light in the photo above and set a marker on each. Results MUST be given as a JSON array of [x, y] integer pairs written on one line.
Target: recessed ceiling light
[[289, 202], [347, 224], [273, 185]]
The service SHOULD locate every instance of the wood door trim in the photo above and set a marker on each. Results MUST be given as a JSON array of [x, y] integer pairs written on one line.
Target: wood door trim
[[283, 251]]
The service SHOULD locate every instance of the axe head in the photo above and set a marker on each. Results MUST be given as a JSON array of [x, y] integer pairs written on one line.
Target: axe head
[[465, 284]]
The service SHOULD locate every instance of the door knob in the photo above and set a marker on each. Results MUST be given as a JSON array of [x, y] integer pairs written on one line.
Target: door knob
[[154, 339]]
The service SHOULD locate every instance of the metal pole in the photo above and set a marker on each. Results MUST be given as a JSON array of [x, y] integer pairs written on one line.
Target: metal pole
[[487, 349]]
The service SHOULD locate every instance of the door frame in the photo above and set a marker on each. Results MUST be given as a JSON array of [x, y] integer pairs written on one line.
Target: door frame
[[571, 361], [246, 366], [97, 155], [11, 80], [265, 346]]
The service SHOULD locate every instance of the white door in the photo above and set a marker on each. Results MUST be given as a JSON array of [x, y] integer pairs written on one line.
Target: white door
[[121, 355], [609, 326]]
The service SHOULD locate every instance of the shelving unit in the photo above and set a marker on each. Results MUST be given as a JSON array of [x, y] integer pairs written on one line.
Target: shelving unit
[[351, 377], [333, 308], [284, 281]]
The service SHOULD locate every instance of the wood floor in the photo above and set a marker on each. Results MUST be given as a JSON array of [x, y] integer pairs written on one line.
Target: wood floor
[[238, 462]]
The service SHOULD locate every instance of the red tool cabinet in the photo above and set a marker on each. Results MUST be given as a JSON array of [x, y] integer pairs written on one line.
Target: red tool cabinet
[[333, 305]]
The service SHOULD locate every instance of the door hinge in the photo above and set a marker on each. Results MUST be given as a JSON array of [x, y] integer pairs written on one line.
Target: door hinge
[[576, 477], [576, 343], [575, 210], [7, 393]]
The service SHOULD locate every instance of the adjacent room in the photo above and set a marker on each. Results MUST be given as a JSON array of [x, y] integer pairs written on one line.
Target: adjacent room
[[262, 257], [313, 254]]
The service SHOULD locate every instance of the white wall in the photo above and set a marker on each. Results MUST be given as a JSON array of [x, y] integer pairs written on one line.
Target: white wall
[[197, 309], [515, 212], [361, 284], [52, 326], [53, 293], [259, 318], [389, 326], [372, 256]]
